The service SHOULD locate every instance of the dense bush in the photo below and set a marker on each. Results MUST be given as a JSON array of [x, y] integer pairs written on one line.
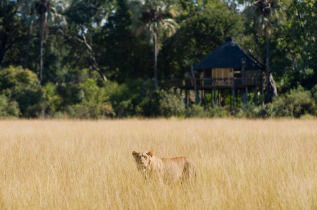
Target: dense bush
[[138, 98], [314, 93], [53, 100], [298, 103], [22, 86], [218, 111], [132, 98], [92, 102], [170, 104], [293, 104], [197, 111], [90, 111], [8, 108]]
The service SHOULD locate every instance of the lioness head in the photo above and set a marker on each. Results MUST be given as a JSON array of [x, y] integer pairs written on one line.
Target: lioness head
[[143, 159]]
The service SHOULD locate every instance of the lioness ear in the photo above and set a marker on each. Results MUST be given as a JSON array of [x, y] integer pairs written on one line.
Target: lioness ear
[[135, 154], [151, 153]]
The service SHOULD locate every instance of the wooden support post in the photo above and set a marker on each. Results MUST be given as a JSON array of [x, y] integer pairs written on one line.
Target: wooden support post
[[203, 97], [218, 98], [233, 100], [246, 96], [186, 97], [197, 99], [256, 96], [222, 97], [215, 97], [230, 102], [237, 97]]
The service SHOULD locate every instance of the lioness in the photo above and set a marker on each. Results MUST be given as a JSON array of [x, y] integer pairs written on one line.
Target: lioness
[[170, 169]]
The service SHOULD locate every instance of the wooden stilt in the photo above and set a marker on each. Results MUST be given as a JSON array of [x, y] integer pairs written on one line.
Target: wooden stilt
[[186, 97], [197, 99], [233, 99], [238, 92], [215, 97], [245, 96], [231, 102], [256, 96]]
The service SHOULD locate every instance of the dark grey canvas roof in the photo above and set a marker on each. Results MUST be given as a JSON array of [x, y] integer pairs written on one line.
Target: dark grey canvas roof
[[228, 55]]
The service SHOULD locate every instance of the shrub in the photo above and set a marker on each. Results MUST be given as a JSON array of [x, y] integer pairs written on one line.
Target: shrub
[[218, 111], [294, 104], [22, 86], [90, 111], [53, 100], [197, 111], [307, 117], [170, 104], [133, 98], [16, 78], [150, 105], [240, 113], [314, 93], [8, 108], [93, 102], [259, 111]]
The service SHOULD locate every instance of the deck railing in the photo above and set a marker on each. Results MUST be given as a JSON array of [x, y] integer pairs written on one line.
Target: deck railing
[[212, 82]]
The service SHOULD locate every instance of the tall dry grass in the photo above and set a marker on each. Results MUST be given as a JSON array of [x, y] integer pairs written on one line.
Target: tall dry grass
[[242, 164]]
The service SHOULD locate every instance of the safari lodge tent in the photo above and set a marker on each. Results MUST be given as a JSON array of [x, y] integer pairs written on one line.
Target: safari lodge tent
[[227, 70]]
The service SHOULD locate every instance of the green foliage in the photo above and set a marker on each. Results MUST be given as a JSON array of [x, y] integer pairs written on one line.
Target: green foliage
[[92, 101], [129, 99], [149, 105], [197, 111], [138, 98], [12, 33], [53, 101], [16, 78], [23, 87], [90, 111], [314, 93], [8, 108], [170, 104], [296, 103], [307, 117], [218, 111]]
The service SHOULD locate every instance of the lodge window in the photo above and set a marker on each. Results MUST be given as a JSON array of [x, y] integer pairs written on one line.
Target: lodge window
[[219, 73], [222, 76]]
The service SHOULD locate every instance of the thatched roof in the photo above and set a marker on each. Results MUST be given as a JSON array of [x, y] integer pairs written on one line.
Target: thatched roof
[[228, 55]]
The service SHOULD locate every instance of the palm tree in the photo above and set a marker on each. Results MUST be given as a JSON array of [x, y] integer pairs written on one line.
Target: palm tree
[[154, 17], [268, 12], [28, 13], [47, 12], [42, 6]]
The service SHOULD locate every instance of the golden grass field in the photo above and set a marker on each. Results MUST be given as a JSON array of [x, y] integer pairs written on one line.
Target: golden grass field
[[241, 164]]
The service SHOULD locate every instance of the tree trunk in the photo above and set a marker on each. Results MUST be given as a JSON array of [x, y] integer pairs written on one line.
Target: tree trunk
[[155, 40], [41, 46], [28, 45], [267, 65]]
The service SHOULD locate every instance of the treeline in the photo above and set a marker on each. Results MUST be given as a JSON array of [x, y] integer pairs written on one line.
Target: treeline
[[113, 58]]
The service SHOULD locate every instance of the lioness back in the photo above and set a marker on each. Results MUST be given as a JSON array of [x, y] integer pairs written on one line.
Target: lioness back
[[178, 168]]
